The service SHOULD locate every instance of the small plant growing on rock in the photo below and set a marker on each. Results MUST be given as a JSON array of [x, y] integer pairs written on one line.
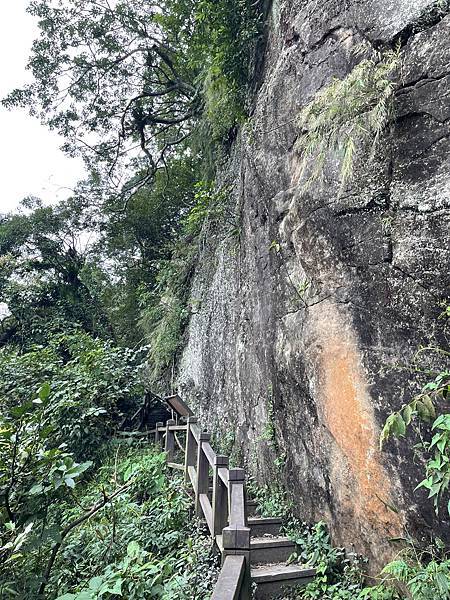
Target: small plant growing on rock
[[349, 115], [437, 450]]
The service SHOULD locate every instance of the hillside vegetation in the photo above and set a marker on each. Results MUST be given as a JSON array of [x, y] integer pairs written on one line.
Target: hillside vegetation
[[96, 292]]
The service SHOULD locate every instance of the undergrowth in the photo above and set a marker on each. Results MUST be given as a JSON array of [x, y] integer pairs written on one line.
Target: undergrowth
[[142, 544], [414, 574]]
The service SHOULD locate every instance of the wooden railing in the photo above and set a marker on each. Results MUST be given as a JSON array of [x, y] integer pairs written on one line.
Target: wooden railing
[[225, 512]]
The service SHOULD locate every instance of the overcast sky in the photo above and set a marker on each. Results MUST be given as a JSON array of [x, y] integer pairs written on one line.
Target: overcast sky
[[30, 160]]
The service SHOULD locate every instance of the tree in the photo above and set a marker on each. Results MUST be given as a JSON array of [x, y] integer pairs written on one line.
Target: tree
[[113, 78], [127, 82], [44, 251], [134, 242]]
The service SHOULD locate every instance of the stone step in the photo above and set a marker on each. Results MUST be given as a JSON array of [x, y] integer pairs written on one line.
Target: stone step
[[264, 525], [270, 549], [272, 579], [251, 508]]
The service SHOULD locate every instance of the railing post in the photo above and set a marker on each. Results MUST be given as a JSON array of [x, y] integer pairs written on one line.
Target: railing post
[[236, 477], [202, 472], [170, 440], [157, 434], [219, 497], [236, 537], [190, 455], [236, 541]]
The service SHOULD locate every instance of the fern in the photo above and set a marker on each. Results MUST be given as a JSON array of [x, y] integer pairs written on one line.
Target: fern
[[349, 115]]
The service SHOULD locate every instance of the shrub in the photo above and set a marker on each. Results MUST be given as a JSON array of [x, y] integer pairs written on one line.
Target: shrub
[[92, 385], [139, 543]]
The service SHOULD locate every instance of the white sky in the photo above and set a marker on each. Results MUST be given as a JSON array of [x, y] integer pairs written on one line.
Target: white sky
[[30, 160]]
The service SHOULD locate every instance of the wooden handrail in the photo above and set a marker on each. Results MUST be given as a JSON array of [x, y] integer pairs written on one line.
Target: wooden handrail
[[172, 428], [237, 501], [195, 432], [209, 453], [229, 584], [223, 474], [225, 513]]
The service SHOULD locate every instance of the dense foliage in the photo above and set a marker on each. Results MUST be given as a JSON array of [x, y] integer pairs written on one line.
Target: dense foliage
[[83, 508], [43, 257], [126, 83], [125, 533]]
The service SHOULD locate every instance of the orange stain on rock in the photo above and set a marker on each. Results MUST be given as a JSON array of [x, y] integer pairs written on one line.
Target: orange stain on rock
[[357, 473]]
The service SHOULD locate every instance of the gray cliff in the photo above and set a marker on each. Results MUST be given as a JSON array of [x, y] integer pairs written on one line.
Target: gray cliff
[[303, 316]]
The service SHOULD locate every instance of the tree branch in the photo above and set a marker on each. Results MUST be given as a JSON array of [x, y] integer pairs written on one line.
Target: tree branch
[[65, 532]]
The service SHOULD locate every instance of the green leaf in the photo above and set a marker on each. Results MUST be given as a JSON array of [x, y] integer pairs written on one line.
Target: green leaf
[[117, 587], [77, 469], [422, 411], [436, 438], [36, 489], [133, 549], [20, 411], [426, 483], [442, 582], [44, 392], [442, 422], [407, 414], [95, 583], [441, 444], [84, 595], [429, 405], [52, 533], [399, 426]]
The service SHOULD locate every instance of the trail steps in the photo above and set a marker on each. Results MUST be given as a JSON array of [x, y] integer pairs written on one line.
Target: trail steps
[[254, 551], [269, 555]]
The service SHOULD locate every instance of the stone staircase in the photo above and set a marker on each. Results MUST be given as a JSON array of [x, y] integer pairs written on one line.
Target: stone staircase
[[269, 553], [254, 553]]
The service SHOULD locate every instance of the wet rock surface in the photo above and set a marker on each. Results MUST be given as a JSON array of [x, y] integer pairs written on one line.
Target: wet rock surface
[[305, 312]]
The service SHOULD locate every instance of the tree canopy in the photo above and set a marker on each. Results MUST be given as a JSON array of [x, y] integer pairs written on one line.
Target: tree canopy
[[126, 82]]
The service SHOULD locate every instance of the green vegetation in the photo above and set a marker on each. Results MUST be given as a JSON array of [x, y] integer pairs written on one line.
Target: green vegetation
[[97, 291], [271, 499], [98, 297], [415, 574], [167, 308], [229, 40], [349, 115], [87, 512], [89, 387], [431, 429], [425, 572], [150, 97], [126, 533], [113, 78]]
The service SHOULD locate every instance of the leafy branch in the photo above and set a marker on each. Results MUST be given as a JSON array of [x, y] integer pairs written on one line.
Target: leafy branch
[[75, 523], [423, 407]]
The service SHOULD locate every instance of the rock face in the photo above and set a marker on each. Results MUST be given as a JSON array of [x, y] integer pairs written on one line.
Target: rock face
[[304, 315]]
